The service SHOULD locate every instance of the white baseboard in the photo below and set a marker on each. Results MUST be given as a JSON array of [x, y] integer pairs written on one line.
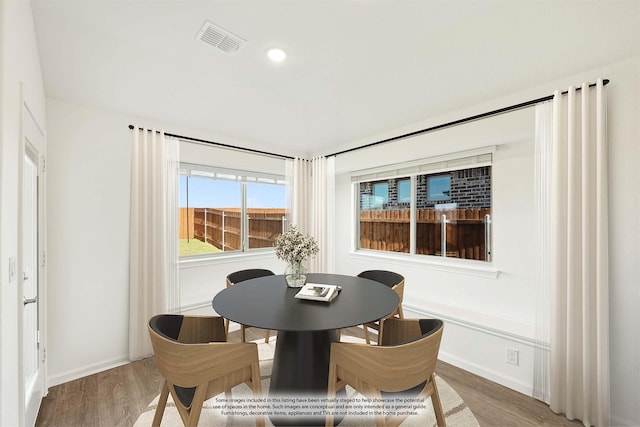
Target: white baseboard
[[488, 374], [74, 374], [204, 307], [492, 342], [459, 360]]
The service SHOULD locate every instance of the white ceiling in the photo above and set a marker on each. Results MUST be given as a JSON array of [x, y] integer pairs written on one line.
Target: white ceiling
[[355, 68]]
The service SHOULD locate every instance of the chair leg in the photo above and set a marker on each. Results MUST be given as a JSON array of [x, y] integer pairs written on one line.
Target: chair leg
[[256, 386], [242, 334], [267, 335], [226, 327], [437, 405], [162, 403], [366, 333], [331, 394], [196, 406], [380, 331]]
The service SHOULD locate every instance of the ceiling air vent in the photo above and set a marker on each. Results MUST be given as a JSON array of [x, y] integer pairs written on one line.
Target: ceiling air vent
[[217, 37]]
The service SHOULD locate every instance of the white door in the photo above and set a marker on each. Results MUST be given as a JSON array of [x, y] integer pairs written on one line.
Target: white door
[[32, 225]]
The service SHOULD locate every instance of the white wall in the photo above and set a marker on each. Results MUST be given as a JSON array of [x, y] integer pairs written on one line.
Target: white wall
[[501, 304], [20, 64], [486, 315], [88, 196], [624, 233]]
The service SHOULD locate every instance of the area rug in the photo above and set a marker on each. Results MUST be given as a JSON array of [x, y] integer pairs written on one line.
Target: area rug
[[457, 413]]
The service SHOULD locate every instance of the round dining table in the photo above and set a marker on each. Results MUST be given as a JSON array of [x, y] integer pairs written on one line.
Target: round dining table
[[305, 328]]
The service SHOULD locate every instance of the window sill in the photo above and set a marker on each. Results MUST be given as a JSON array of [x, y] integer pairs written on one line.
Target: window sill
[[200, 261], [452, 265]]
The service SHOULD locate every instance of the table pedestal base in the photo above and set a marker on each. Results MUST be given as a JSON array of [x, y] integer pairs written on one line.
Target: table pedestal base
[[301, 362], [301, 369]]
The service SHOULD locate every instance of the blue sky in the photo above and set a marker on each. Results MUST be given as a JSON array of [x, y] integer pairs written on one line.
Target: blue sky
[[214, 193]]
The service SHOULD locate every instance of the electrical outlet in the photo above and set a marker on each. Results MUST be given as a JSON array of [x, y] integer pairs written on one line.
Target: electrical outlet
[[511, 356]]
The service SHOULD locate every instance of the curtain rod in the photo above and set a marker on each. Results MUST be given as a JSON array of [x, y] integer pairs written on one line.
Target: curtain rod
[[460, 121], [220, 144]]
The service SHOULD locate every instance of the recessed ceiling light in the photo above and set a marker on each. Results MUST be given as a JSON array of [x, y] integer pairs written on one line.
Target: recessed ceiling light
[[276, 54]]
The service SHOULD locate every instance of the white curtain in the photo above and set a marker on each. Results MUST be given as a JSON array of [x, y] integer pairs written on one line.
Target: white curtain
[[579, 257], [310, 203], [322, 217], [153, 270], [542, 181], [298, 173]]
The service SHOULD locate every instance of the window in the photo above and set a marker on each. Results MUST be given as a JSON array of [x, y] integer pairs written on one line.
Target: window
[[439, 187], [404, 191], [376, 196], [380, 194], [228, 211], [451, 211]]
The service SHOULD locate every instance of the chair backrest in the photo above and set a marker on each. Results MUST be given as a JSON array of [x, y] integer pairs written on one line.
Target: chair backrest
[[186, 347], [188, 329], [167, 325], [242, 275], [197, 363], [406, 358], [393, 280], [409, 330], [418, 344], [385, 277]]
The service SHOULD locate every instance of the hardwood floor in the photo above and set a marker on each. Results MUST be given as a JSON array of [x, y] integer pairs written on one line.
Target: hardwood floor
[[496, 405], [117, 397]]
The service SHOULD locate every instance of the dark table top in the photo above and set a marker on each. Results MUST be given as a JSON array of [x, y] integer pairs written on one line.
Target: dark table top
[[267, 302]]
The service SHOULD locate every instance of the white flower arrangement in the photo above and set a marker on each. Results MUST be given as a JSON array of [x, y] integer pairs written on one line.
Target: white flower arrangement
[[293, 246]]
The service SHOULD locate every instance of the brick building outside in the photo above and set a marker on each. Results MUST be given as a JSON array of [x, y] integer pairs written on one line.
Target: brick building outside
[[467, 188]]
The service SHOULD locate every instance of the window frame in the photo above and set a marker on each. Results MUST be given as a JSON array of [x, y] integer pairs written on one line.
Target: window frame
[[244, 177], [431, 166]]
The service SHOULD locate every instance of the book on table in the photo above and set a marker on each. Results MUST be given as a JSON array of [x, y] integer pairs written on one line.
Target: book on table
[[318, 292]]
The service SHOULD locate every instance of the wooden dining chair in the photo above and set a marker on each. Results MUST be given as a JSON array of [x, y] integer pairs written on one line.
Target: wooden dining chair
[[241, 276], [403, 365], [396, 282], [197, 363]]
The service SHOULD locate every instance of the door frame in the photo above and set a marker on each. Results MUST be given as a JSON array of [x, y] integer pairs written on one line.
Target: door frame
[[30, 126]]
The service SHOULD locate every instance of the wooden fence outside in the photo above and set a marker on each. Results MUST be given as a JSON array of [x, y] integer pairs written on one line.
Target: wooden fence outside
[[222, 227], [386, 230], [186, 230], [389, 230]]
